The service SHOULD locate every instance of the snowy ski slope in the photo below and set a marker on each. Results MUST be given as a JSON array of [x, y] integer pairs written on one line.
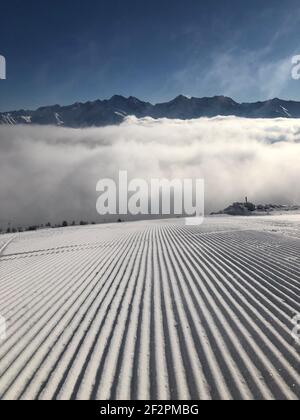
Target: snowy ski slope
[[152, 310]]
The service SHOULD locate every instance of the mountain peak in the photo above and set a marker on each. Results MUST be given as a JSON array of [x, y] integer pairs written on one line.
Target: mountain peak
[[117, 98], [181, 98], [113, 111]]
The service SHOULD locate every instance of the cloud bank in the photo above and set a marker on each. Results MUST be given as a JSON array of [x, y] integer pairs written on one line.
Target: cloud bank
[[50, 173]]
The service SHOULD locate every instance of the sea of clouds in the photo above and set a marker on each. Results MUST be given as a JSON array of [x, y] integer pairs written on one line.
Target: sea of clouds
[[50, 173]]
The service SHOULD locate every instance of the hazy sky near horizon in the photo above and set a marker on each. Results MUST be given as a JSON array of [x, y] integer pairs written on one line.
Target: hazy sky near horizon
[[75, 50]]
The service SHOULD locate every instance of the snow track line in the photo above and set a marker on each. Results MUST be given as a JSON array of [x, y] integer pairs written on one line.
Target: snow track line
[[152, 310], [241, 265], [70, 338], [244, 290], [3, 248], [247, 369], [79, 281], [288, 368]]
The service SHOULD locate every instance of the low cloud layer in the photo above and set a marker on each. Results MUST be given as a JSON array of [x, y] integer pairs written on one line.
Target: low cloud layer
[[50, 173]]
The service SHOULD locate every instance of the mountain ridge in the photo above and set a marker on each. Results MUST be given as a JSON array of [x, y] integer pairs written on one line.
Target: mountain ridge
[[112, 111]]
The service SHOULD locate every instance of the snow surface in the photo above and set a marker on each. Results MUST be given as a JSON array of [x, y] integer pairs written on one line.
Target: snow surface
[[285, 111], [27, 119], [58, 119], [8, 119], [152, 310]]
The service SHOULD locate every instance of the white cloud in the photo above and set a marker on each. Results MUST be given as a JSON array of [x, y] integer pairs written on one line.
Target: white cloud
[[50, 173]]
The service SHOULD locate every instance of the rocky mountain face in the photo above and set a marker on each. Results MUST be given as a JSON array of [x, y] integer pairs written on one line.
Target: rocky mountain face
[[113, 111]]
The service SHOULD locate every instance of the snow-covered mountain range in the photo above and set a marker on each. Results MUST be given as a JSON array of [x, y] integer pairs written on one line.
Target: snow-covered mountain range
[[101, 113]]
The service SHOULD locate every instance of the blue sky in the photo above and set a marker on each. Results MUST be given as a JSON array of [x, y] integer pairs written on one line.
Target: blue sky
[[68, 51]]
